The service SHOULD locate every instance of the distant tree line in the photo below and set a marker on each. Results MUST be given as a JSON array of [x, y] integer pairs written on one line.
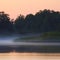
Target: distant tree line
[[42, 21]]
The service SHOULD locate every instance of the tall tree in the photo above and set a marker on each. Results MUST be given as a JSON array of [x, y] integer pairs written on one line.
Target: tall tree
[[29, 20], [19, 24], [5, 24]]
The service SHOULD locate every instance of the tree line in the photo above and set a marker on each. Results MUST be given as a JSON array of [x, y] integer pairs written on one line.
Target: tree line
[[43, 21]]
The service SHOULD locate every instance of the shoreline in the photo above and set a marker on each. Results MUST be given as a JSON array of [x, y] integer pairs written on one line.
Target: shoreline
[[30, 49]]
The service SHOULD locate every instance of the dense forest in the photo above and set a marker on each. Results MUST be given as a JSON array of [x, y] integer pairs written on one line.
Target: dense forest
[[43, 21]]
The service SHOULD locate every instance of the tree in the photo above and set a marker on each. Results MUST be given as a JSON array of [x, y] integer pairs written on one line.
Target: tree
[[29, 21], [48, 20], [5, 24], [19, 24], [42, 21]]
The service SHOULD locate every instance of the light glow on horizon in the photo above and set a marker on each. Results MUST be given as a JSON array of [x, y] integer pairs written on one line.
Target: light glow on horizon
[[16, 7]]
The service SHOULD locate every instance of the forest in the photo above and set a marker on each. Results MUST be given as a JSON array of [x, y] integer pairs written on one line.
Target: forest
[[43, 21]]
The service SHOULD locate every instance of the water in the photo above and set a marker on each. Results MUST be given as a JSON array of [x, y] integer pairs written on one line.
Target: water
[[29, 56]]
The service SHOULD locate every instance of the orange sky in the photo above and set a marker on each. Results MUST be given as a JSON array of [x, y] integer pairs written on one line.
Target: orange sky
[[16, 7]]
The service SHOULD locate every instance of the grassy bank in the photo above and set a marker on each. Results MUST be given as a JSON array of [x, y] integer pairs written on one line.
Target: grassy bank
[[43, 36], [50, 35]]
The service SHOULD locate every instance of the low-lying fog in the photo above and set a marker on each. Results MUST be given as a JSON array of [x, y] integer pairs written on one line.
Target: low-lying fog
[[10, 38]]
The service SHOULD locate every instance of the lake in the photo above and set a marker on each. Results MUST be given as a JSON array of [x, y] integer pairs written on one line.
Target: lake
[[29, 56]]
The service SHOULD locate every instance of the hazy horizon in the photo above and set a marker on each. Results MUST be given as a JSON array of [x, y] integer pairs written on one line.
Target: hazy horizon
[[24, 7]]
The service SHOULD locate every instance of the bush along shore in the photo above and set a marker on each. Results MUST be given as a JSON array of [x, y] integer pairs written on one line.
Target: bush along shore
[[46, 36]]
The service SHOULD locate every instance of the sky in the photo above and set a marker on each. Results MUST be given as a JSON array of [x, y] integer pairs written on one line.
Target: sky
[[24, 7]]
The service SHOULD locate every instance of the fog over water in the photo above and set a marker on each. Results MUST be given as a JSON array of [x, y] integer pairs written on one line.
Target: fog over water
[[9, 40], [27, 56]]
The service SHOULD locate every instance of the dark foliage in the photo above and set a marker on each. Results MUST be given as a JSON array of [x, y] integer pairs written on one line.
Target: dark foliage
[[42, 21], [5, 25]]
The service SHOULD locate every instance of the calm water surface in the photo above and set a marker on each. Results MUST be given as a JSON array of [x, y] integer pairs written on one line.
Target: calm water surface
[[29, 56]]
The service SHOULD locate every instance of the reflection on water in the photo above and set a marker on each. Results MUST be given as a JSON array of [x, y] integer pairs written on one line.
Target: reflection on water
[[29, 56]]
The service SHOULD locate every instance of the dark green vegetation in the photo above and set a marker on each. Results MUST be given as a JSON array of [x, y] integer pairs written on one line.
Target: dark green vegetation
[[29, 39], [51, 35], [41, 22], [6, 26], [43, 37], [46, 23]]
